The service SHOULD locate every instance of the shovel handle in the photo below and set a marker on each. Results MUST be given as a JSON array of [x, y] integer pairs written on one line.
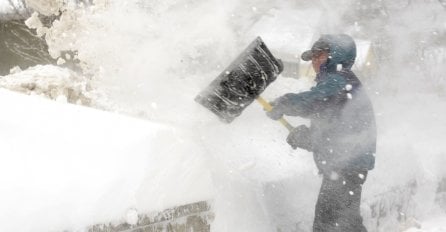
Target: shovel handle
[[268, 107]]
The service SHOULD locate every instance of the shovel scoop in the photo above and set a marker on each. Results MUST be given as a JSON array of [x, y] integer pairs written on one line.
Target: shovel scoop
[[242, 82]]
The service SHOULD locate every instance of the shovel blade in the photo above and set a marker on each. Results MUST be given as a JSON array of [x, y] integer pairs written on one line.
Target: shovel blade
[[241, 82]]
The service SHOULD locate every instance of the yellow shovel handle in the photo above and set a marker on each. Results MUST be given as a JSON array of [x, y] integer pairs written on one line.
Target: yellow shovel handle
[[268, 108]]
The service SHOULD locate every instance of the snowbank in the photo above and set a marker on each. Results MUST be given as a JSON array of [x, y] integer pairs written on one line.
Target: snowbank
[[52, 82], [67, 167]]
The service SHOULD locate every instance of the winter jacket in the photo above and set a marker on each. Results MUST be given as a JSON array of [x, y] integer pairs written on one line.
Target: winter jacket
[[342, 131]]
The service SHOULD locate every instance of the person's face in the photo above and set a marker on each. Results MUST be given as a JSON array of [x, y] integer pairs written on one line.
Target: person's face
[[318, 59]]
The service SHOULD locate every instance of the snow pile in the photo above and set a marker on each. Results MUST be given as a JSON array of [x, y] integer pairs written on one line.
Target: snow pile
[[66, 167], [52, 82]]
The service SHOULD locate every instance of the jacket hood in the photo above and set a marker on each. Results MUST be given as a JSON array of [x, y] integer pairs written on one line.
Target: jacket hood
[[342, 50]]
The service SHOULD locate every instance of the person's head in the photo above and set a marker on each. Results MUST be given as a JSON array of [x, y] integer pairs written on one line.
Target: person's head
[[331, 50], [317, 59], [318, 54]]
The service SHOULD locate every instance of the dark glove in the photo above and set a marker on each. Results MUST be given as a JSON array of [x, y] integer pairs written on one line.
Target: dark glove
[[276, 112], [280, 65], [300, 137]]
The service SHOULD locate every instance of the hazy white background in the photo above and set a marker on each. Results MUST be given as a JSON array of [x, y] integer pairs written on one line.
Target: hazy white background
[[151, 58]]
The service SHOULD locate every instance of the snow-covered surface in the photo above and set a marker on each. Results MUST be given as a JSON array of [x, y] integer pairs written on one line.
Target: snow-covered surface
[[52, 82], [435, 223], [66, 167], [150, 60]]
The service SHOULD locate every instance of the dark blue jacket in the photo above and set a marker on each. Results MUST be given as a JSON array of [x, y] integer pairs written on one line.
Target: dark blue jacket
[[342, 131]]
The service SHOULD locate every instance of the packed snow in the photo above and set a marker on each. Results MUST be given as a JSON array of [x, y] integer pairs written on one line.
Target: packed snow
[[69, 166]]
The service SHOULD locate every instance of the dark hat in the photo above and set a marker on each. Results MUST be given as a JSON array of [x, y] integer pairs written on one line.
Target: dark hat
[[318, 46]]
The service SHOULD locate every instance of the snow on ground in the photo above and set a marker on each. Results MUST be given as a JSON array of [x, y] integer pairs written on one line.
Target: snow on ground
[[436, 223], [150, 60], [52, 82], [65, 167]]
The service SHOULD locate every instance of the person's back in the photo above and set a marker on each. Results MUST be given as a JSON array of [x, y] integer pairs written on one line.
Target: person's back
[[344, 131]]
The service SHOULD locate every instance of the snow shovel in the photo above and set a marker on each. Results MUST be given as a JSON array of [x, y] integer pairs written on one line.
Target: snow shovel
[[242, 82]]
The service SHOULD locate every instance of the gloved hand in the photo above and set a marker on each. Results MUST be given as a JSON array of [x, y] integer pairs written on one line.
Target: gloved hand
[[280, 63], [300, 137], [276, 113]]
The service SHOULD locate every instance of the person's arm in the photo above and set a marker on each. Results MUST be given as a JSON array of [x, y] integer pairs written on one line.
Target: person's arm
[[310, 102]]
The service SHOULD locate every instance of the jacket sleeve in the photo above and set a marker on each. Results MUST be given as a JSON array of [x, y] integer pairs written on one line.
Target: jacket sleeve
[[305, 104]]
